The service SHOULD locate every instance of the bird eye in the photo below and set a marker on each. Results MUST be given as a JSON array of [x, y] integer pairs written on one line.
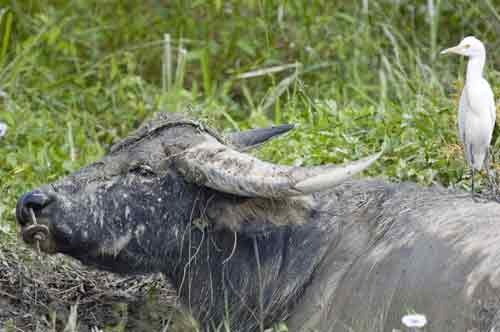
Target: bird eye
[[467, 46], [142, 170]]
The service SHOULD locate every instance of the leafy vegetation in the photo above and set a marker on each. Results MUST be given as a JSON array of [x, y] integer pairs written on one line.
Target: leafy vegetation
[[351, 74]]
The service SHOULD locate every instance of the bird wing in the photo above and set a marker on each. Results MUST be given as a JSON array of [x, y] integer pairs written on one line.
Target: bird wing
[[462, 106], [480, 100], [491, 103]]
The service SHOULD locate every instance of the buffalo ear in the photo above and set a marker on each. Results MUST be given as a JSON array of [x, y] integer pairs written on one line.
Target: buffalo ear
[[257, 215], [253, 138]]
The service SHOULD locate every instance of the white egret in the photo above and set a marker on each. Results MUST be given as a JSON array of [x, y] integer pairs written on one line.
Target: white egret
[[476, 109]]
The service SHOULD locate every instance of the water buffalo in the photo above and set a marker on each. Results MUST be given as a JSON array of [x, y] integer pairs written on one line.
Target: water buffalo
[[249, 243]]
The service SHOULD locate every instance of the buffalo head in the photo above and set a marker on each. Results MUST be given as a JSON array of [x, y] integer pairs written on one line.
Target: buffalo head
[[127, 211]]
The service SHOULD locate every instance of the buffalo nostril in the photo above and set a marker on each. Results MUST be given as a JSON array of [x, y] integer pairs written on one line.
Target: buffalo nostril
[[35, 200], [35, 232]]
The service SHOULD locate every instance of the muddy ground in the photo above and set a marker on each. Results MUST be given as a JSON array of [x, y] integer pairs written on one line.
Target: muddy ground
[[55, 293]]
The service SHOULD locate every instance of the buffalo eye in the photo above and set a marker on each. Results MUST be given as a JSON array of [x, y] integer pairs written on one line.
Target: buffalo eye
[[142, 170]]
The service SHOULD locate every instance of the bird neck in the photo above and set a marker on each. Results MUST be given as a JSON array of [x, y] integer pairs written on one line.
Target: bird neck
[[475, 67]]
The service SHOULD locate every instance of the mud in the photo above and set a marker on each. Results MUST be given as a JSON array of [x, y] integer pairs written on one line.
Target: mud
[[39, 292]]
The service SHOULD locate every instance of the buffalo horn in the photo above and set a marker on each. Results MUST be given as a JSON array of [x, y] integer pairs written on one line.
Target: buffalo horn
[[222, 168]]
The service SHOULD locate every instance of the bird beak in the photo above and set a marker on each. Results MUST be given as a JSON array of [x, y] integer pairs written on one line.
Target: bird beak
[[454, 49]]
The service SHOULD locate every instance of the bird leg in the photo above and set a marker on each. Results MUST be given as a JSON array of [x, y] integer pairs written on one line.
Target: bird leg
[[475, 197], [472, 182]]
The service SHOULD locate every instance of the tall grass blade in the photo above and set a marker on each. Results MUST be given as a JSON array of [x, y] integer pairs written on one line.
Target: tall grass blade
[[365, 7], [6, 34], [269, 70], [205, 71], [433, 10], [491, 7], [277, 91], [181, 59], [167, 63]]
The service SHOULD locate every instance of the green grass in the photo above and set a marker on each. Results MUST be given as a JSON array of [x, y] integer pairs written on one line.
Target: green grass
[[78, 77], [81, 76]]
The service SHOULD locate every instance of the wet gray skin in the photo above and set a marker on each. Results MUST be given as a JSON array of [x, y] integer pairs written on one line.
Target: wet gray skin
[[357, 256]]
